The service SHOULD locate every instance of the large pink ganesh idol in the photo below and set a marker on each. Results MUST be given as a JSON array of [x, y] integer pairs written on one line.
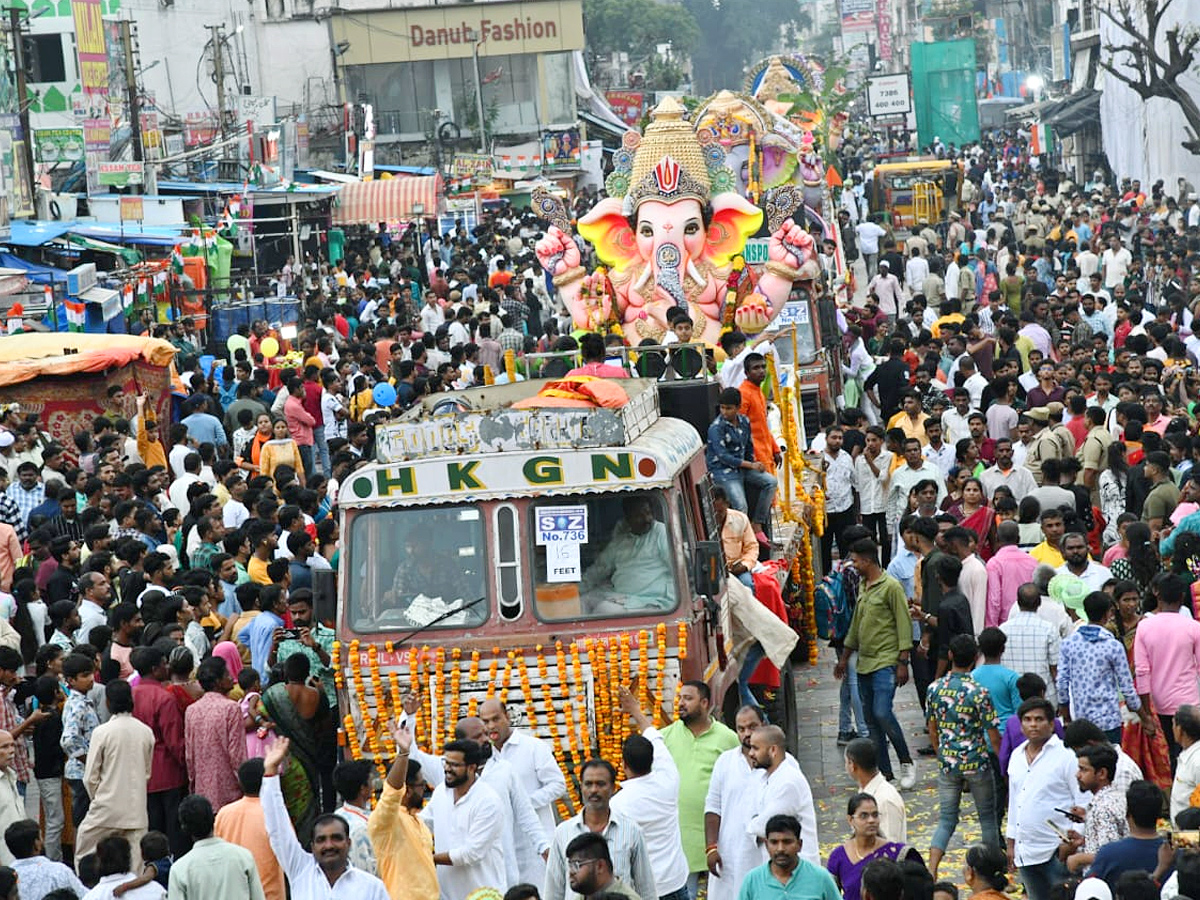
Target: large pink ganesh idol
[[669, 229]]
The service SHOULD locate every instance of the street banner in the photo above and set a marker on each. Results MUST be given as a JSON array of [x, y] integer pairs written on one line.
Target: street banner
[[629, 105], [55, 145]]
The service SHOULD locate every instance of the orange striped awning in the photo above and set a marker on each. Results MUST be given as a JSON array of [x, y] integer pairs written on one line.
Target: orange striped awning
[[372, 202]]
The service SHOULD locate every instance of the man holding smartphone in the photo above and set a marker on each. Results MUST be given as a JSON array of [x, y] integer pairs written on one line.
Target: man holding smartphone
[[307, 636]]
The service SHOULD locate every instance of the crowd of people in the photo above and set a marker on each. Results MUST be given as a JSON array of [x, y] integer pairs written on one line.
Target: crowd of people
[[1011, 488], [1009, 491]]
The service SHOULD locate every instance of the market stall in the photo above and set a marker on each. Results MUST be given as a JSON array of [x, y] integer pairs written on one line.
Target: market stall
[[65, 378]]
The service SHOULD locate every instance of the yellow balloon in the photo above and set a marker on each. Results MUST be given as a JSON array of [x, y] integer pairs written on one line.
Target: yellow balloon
[[270, 348]]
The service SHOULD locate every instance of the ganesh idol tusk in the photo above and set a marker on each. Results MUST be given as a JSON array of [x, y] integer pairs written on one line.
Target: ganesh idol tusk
[[642, 279], [695, 275]]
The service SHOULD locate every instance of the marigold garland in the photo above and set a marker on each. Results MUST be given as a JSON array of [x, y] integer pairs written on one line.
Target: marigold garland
[[660, 632], [683, 639], [352, 745], [581, 700], [645, 696], [493, 666], [455, 686], [527, 695], [440, 729], [508, 667], [473, 672], [335, 663]]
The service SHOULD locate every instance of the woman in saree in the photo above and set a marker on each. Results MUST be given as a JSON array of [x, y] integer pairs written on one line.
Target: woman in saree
[[297, 709], [848, 861], [973, 512]]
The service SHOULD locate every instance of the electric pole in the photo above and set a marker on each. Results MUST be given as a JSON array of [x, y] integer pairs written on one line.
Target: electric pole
[[20, 63], [131, 90], [218, 41]]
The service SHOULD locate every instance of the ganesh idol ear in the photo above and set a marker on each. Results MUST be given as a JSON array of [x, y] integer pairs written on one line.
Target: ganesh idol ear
[[734, 219], [607, 229]]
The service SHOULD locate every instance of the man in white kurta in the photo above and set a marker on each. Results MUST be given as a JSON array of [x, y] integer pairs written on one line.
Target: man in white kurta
[[467, 820], [537, 773], [650, 797], [523, 836], [734, 779], [784, 792]]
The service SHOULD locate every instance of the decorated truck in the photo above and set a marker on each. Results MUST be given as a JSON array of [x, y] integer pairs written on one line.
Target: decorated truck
[[544, 556]]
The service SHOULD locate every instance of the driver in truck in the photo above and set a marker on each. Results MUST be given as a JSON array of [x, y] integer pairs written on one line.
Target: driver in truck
[[633, 572]]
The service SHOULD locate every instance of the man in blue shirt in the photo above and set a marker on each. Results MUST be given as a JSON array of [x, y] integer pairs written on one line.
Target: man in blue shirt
[[1143, 802], [731, 462], [786, 875], [259, 634], [203, 427]]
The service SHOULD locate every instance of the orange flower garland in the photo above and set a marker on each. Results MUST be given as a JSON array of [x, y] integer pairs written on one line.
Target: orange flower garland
[[492, 667], [527, 694], [683, 640], [577, 683], [645, 697], [604, 720], [439, 731], [352, 745], [508, 667], [473, 672], [660, 631], [335, 663], [455, 686]]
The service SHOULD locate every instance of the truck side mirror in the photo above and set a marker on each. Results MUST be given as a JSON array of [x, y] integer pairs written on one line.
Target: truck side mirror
[[708, 567]]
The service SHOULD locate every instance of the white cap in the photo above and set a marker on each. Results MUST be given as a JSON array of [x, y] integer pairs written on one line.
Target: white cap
[[1093, 889], [7, 439]]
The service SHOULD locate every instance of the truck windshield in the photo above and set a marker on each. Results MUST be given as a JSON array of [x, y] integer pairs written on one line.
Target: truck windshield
[[408, 567], [617, 562]]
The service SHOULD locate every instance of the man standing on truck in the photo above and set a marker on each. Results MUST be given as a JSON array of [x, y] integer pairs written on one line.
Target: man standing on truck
[[536, 772], [730, 457], [695, 741]]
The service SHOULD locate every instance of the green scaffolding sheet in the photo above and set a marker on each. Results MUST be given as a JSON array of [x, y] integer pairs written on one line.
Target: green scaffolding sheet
[[943, 77]]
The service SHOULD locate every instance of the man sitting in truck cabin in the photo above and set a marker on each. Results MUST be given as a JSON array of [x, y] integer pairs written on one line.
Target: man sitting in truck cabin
[[634, 571]]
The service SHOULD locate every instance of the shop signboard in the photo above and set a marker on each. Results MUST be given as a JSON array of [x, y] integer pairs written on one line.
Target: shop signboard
[[55, 145], [455, 31], [120, 174]]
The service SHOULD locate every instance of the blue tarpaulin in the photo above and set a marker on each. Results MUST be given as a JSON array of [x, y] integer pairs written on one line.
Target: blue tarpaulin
[[32, 233], [36, 273]]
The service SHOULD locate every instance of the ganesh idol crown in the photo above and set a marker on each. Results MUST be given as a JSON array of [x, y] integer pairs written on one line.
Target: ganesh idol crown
[[671, 232]]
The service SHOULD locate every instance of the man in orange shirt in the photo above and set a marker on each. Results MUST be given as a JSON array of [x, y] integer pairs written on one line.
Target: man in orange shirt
[[501, 277], [754, 407], [241, 822]]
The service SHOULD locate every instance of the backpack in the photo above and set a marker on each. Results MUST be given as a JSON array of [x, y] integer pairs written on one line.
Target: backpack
[[833, 607]]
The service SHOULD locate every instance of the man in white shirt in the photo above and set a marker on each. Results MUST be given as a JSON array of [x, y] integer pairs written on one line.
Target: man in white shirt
[[326, 872], [938, 451], [525, 841], [333, 409], [1041, 781], [1077, 562], [467, 820], [871, 470], [177, 492], [1186, 725], [885, 287], [727, 812], [649, 796], [431, 313], [784, 791], [535, 769], [862, 764], [869, 234], [916, 270], [1114, 262]]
